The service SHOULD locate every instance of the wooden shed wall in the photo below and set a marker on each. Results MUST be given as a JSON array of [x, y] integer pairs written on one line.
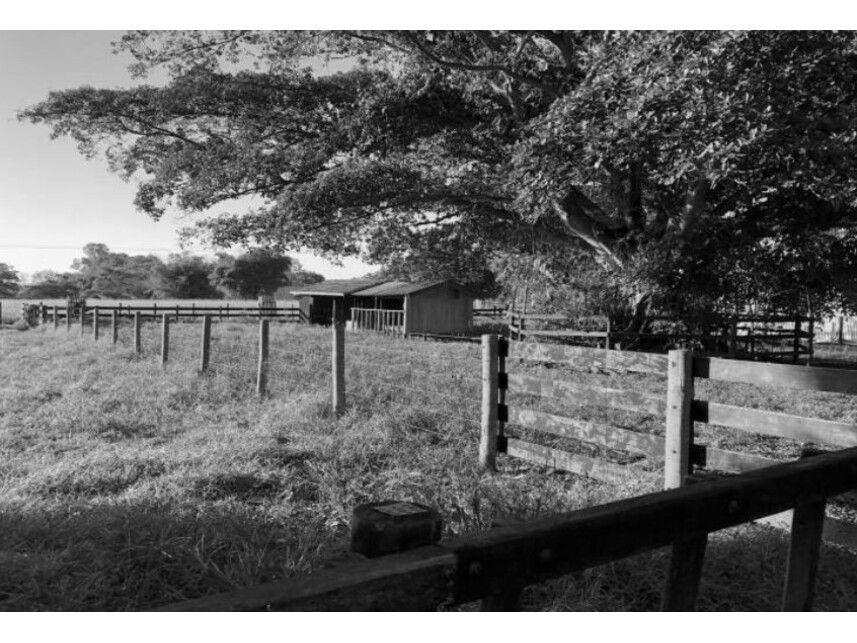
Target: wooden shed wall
[[436, 310]]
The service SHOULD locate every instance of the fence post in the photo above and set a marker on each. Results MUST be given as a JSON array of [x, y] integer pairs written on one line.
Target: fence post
[[165, 339], [679, 426], [68, 317], [82, 320], [490, 397], [840, 334], [95, 323], [262, 373], [392, 526], [796, 342], [114, 326], [810, 341], [733, 338], [338, 359], [688, 554], [137, 332], [802, 565], [154, 311], [206, 343]]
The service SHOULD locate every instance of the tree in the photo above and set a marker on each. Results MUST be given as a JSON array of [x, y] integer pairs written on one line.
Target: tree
[[9, 281], [298, 278], [116, 275], [257, 272], [48, 284], [186, 276], [689, 171]]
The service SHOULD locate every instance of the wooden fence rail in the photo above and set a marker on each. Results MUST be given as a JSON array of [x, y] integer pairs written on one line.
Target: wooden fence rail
[[680, 411], [505, 559], [226, 311], [772, 337], [385, 321]]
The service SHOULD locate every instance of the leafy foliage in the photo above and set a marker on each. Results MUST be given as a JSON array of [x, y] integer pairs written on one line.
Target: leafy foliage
[[186, 276], [103, 273], [9, 281], [52, 285], [254, 273], [683, 170]]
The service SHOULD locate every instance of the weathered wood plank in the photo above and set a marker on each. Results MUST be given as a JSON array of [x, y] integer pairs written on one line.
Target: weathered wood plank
[[682, 586], [564, 333], [807, 524], [414, 580], [736, 462], [594, 432], [679, 425], [584, 358], [577, 464], [802, 429], [591, 395], [730, 461], [833, 380], [554, 546]]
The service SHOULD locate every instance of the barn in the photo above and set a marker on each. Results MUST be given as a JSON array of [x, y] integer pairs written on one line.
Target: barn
[[316, 301], [436, 307], [431, 307]]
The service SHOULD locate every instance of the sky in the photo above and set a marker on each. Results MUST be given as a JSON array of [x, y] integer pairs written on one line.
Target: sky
[[55, 201]]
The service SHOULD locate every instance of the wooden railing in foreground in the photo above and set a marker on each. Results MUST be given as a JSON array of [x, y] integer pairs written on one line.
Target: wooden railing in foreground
[[679, 409], [496, 564]]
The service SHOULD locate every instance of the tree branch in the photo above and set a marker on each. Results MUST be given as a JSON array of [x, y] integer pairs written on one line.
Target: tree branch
[[548, 89], [694, 203]]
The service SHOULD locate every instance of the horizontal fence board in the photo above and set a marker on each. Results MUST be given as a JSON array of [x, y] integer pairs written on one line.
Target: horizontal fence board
[[553, 546], [582, 357], [564, 333], [601, 434], [577, 464], [730, 461], [832, 380], [634, 401], [802, 429], [834, 532], [414, 580]]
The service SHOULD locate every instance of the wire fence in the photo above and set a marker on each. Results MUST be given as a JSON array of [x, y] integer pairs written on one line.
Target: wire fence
[[426, 386]]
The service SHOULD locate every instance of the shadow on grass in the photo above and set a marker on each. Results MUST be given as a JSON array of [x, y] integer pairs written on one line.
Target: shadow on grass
[[139, 555]]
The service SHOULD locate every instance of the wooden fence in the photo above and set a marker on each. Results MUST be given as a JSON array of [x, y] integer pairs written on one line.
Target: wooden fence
[[679, 410], [839, 330], [375, 319], [495, 565], [768, 338], [225, 311]]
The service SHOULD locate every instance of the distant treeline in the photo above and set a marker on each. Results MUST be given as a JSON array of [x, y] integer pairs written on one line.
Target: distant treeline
[[115, 275]]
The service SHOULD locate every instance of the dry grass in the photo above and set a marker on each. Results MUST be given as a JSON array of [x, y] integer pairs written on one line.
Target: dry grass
[[127, 486]]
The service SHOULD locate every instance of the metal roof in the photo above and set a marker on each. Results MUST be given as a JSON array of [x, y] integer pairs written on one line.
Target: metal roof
[[338, 287], [397, 288]]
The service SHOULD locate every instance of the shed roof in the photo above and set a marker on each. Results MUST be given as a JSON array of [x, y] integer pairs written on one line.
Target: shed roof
[[338, 287], [398, 288]]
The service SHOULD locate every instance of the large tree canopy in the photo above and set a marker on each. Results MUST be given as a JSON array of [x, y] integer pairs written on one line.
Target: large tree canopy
[[692, 170]]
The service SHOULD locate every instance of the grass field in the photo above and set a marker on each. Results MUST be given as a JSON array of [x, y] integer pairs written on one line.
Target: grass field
[[127, 486]]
